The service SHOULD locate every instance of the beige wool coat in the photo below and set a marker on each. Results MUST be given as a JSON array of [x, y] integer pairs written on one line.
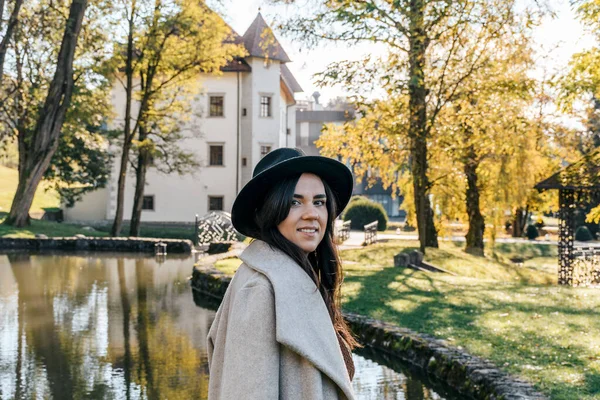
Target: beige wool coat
[[272, 337]]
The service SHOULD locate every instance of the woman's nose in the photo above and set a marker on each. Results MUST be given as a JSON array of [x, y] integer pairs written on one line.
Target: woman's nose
[[311, 214]]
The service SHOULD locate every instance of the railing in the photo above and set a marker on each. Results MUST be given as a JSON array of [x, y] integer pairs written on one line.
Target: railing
[[342, 232], [371, 232]]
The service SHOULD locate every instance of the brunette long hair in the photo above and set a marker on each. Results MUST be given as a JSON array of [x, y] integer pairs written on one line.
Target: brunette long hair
[[323, 265]]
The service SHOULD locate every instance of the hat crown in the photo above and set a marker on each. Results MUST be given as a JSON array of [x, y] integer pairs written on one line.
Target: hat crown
[[275, 157]]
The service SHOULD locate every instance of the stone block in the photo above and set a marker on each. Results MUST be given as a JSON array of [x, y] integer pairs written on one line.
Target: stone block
[[415, 257], [401, 260], [219, 247]]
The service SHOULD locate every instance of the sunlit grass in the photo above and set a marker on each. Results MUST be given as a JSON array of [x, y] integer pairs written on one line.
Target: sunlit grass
[[55, 229], [48, 228], [9, 179], [506, 261], [228, 265]]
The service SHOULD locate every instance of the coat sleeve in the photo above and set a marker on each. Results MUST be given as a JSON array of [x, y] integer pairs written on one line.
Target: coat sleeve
[[251, 352]]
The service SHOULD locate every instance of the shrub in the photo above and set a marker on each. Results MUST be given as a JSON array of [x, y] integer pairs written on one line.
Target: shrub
[[532, 232], [408, 228], [539, 222], [583, 234], [357, 198], [362, 212]]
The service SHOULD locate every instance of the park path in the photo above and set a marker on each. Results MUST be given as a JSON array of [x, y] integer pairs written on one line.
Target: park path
[[358, 237]]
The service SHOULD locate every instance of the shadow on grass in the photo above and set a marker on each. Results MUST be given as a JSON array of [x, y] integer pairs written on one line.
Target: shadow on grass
[[536, 344]]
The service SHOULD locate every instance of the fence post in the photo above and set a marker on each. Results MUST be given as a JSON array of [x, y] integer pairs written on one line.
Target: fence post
[[196, 230]]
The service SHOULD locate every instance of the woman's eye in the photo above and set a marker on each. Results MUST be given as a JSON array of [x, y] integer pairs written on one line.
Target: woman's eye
[[295, 203], [320, 202]]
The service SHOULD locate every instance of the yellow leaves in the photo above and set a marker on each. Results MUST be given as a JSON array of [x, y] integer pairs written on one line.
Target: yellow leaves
[[594, 215]]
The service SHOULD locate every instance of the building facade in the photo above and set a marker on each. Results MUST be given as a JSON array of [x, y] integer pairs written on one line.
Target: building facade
[[242, 115], [310, 118]]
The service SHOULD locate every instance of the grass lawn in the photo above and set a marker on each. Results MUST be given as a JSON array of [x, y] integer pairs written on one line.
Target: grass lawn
[[510, 312], [55, 229], [9, 179], [48, 228]]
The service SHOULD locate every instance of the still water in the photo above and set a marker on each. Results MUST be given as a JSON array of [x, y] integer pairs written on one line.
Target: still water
[[123, 326]]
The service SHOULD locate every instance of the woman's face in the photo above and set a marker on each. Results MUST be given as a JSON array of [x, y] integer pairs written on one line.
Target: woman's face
[[306, 222]]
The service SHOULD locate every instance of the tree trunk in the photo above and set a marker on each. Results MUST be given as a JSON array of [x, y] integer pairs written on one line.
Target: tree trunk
[[140, 176], [476, 221], [418, 126], [10, 27], [127, 134], [1, 13], [127, 363], [42, 143], [144, 322], [43, 339], [519, 220]]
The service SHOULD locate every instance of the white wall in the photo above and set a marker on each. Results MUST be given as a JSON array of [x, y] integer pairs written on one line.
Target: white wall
[[179, 198], [287, 113], [92, 207], [265, 130]]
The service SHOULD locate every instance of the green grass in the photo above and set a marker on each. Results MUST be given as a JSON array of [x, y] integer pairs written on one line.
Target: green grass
[[512, 314], [48, 228], [55, 229], [9, 179], [499, 263], [228, 265]]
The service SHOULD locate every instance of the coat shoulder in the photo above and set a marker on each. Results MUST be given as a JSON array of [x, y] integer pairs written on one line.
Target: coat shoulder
[[247, 277]]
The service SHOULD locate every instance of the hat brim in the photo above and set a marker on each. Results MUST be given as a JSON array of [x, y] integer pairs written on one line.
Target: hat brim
[[337, 175]]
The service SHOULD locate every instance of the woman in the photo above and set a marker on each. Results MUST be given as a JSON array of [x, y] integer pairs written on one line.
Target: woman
[[279, 333]]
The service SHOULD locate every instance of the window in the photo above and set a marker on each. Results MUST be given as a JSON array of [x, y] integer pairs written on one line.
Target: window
[[264, 150], [265, 106], [148, 203], [215, 203], [216, 155], [216, 106]]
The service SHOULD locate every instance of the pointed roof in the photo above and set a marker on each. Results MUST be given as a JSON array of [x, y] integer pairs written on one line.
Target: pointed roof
[[582, 174], [261, 42], [290, 80]]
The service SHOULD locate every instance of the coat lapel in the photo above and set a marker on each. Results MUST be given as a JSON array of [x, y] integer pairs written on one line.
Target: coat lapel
[[302, 320]]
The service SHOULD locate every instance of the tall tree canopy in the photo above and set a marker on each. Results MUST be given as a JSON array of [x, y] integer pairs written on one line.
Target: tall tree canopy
[[432, 47]]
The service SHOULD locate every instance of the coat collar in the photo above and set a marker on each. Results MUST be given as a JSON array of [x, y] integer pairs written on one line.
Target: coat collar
[[302, 320]]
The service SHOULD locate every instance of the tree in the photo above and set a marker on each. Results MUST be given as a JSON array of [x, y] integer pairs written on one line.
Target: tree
[[37, 146], [430, 54], [170, 47], [55, 111], [488, 146], [483, 122], [10, 27]]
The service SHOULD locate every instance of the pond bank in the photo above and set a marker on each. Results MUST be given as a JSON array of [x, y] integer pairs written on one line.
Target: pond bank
[[126, 244], [473, 377]]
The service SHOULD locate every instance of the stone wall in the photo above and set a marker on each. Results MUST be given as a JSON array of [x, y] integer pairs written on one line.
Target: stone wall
[[472, 377], [145, 245]]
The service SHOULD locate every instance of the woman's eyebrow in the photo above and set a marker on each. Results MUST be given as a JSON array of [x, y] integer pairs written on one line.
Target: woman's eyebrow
[[317, 196]]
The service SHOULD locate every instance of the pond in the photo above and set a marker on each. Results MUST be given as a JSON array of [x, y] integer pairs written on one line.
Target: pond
[[126, 326]]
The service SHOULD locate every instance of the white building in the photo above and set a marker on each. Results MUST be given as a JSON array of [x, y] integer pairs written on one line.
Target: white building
[[245, 113]]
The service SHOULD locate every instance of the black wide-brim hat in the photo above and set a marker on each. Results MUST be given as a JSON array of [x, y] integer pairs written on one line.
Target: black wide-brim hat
[[280, 164]]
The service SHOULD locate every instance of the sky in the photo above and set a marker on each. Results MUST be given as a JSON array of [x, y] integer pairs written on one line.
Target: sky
[[556, 40]]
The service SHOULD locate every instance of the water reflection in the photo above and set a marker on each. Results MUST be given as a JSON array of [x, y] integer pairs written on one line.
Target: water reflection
[[114, 326]]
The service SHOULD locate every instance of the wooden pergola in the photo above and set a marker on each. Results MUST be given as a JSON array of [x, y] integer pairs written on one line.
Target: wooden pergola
[[579, 186]]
